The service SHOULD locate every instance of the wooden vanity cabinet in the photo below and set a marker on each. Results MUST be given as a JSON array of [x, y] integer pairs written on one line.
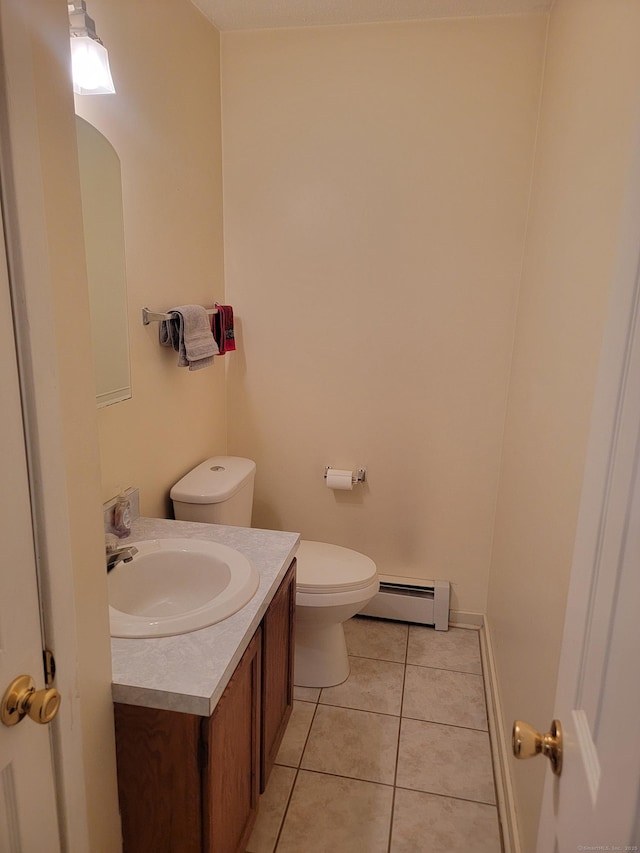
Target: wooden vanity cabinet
[[278, 643], [190, 784], [158, 759], [231, 772]]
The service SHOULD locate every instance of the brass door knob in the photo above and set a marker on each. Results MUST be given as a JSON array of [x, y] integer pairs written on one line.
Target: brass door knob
[[21, 699], [527, 742]]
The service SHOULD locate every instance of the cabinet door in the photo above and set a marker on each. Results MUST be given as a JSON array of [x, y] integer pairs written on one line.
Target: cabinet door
[[278, 637], [232, 736]]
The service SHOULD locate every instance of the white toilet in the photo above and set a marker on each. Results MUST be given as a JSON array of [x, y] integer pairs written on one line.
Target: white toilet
[[333, 583]]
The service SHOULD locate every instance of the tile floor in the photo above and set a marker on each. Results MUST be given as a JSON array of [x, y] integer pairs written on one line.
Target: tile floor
[[395, 760]]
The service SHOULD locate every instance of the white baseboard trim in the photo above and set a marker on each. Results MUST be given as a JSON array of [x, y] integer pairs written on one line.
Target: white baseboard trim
[[466, 619], [500, 746]]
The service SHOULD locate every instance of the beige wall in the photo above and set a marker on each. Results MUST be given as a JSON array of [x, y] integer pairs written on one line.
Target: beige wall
[[590, 104], [376, 184], [164, 123]]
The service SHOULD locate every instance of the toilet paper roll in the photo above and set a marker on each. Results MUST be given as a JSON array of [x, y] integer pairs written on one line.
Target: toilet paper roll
[[337, 479]]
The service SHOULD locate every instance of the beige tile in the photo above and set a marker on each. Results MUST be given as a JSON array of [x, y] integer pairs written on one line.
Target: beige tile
[[445, 760], [273, 804], [376, 638], [334, 813], [295, 737], [306, 694], [457, 648], [373, 685], [358, 744], [442, 696], [435, 824]]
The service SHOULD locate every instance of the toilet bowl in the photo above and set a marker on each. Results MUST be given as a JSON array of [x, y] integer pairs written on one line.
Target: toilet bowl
[[332, 583]]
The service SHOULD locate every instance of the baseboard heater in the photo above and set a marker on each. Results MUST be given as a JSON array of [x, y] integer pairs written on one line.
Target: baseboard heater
[[411, 600]]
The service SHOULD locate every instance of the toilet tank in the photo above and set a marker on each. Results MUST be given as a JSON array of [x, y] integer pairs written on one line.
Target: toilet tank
[[218, 491]]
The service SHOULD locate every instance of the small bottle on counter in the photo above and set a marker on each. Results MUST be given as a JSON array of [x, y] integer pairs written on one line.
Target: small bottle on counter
[[122, 516]]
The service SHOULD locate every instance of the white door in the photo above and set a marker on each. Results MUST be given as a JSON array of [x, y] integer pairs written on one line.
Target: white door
[[594, 803], [28, 820]]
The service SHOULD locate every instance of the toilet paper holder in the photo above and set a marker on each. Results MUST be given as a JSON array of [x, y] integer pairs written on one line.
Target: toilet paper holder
[[358, 477]]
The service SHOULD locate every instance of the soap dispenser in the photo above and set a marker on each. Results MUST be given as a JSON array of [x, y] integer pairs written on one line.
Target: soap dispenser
[[122, 516]]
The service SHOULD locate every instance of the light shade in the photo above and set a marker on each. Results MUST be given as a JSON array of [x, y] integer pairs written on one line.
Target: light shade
[[89, 57], [90, 67]]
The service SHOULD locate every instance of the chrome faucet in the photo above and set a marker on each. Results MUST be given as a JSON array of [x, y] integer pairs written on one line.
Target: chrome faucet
[[120, 555]]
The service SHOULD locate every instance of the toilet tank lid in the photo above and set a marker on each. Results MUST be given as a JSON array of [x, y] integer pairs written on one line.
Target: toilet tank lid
[[214, 480]]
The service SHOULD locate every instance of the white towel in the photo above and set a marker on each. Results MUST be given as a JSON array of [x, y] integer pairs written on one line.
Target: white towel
[[189, 333]]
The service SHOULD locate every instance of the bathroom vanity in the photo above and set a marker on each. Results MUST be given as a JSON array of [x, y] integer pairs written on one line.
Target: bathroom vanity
[[200, 716]]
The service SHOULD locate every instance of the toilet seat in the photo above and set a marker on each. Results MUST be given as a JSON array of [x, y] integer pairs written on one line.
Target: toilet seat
[[325, 568]]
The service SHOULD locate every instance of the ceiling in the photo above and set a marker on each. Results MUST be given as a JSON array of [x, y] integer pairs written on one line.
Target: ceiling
[[274, 14]]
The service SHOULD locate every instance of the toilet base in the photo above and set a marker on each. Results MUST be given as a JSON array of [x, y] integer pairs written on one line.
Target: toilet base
[[321, 658]]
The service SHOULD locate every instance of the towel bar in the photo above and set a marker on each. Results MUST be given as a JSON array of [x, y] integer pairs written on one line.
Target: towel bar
[[156, 317]]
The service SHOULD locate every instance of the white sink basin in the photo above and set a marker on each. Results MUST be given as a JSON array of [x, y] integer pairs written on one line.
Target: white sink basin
[[173, 586]]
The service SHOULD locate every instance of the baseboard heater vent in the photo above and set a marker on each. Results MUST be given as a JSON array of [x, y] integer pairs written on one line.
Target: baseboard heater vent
[[426, 603]]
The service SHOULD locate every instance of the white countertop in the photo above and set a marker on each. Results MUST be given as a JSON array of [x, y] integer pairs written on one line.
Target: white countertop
[[189, 672]]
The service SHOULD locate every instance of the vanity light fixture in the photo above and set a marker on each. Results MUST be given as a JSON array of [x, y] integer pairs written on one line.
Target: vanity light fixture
[[89, 57]]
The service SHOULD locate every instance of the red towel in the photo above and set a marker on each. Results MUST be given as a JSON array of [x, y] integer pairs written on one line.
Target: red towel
[[222, 328]]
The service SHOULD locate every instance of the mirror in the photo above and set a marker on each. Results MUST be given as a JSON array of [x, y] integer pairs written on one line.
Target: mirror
[[101, 190]]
